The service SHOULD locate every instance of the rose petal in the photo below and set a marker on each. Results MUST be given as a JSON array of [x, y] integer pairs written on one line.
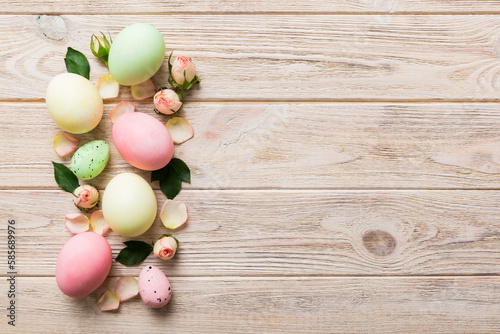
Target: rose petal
[[77, 223], [98, 223], [64, 144], [109, 301], [108, 87], [180, 129], [126, 287], [143, 90], [121, 108], [173, 214]]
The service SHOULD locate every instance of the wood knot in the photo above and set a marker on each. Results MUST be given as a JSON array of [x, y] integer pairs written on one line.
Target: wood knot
[[379, 242], [52, 26]]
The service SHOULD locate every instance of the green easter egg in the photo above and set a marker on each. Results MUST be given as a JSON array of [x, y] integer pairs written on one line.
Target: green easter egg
[[136, 54], [90, 159]]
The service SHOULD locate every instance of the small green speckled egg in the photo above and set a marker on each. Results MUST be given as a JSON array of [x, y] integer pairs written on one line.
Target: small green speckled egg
[[90, 159]]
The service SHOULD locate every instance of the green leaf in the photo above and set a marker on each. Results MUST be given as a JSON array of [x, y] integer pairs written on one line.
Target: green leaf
[[171, 177], [159, 174], [181, 169], [171, 186], [65, 178], [134, 253], [77, 63]]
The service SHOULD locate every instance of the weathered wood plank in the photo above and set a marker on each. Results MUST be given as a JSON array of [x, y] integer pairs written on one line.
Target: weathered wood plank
[[242, 6], [262, 233], [273, 305], [286, 57], [311, 145]]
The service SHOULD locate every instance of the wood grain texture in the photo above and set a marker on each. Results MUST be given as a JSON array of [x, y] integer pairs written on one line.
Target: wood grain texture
[[273, 305], [243, 6], [259, 233], [285, 57], [319, 145]]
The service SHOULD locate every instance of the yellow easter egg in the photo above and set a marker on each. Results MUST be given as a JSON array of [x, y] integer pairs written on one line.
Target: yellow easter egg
[[129, 205], [73, 103]]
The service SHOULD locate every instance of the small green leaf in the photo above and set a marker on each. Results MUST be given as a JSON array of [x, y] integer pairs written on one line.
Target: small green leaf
[[171, 177], [65, 178], [134, 253], [181, 169], [159, 174], [77, 63], [170, 186]]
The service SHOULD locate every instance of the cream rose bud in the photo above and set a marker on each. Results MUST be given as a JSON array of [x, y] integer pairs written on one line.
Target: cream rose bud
[[167, 101], [86, 197], [183, 69], [165, 248]]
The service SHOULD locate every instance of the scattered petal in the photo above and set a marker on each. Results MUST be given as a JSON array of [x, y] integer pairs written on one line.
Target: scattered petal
[[126, 287], [173, 214], [64, 144], [121, 108], [180, 129], [77, 223], [109, 301], [143, 90], [108, 87], [98, 223]]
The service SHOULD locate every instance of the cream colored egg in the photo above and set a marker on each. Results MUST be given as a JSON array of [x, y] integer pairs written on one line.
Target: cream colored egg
[[74, 103], [129, 205]]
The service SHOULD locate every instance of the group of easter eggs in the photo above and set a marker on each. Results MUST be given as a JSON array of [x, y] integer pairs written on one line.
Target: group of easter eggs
[[129, 203]]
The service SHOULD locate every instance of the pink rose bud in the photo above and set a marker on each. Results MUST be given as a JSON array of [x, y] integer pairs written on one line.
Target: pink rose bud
[[86, 197], [165, 248], [167, 102], [183, 69]]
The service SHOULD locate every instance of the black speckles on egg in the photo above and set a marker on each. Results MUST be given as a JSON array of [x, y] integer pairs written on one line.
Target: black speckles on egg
[[90, 159], [168, 288]]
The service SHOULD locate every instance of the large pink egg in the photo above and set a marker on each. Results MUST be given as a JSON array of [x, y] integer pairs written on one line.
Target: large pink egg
[[143, 141], [83, 264]]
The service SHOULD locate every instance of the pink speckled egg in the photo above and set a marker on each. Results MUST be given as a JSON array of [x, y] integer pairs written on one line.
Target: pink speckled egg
[[143, 141], [154, 287], [83, 264]]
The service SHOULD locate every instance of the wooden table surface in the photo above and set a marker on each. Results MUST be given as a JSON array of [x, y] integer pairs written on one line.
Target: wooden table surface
[[345, 166]]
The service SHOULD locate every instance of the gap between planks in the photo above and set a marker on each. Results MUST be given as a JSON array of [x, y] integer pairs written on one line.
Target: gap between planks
[[271, 189], [293, 101], [294, 277], [275, 13]]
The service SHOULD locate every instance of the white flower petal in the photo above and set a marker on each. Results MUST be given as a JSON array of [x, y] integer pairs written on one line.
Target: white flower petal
[[64, 144], [127, 287], [109, 301], [77, 223], [173, 214], [180, 130], [121, 108], [107, 86], [98, 223], [143, 90]]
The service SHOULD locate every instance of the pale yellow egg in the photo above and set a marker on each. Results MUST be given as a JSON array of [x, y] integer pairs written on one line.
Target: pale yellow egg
[[74, 103], [129, 205]]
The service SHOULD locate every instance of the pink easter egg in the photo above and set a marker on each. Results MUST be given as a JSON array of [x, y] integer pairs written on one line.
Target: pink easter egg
[[143, 141], [154, 287], [83, 264]]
